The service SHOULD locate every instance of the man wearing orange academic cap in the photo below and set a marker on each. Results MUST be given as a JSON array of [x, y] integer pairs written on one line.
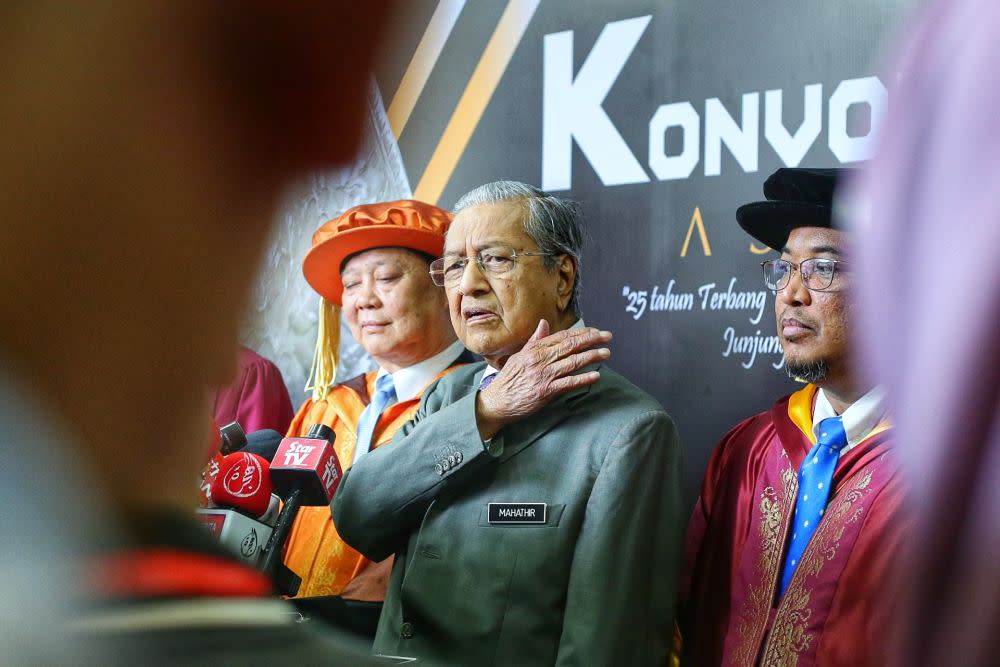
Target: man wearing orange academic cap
[[372, 265]]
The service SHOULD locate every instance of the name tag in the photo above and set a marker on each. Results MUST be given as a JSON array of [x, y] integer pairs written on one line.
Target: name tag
[[517, 513]]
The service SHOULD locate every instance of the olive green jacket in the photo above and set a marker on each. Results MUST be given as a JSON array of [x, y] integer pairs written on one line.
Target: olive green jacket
[[594, 584]]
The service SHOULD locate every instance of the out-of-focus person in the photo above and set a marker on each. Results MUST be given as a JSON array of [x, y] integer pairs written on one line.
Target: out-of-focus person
[[372, 265], [929, 307], [142, 141], [798, 528], [533, 501], [257, 398]]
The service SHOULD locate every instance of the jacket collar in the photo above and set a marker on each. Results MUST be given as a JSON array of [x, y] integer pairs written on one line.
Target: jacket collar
[[520, 435]]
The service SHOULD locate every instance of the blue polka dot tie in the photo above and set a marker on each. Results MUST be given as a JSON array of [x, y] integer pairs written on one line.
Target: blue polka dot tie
[[815, 478], [385, 393]]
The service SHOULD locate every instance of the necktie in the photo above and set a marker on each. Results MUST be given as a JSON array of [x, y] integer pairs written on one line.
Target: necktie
[[487, 380], [815, 477], [385, 393]]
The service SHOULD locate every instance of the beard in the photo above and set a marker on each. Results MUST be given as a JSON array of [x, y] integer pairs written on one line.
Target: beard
[[808, 371]]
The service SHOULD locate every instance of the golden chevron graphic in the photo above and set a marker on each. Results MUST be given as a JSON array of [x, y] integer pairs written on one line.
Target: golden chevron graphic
[[478, 91]]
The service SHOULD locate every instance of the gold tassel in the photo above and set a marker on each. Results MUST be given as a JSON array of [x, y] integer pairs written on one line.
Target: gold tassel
[[327, 354]]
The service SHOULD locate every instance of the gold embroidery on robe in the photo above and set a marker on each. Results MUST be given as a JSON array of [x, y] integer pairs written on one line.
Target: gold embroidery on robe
[[788, 638], [775, 510]]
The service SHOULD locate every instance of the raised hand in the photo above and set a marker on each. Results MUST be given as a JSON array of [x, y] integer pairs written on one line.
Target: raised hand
[[543, 369]]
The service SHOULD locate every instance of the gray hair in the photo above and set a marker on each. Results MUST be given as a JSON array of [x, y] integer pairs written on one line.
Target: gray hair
[[553, 223]]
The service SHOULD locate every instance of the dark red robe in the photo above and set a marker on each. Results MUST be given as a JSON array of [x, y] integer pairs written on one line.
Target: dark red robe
[[257, 398], [837, 605]]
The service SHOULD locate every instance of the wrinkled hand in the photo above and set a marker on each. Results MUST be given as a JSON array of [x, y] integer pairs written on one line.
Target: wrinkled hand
[[540, 371]]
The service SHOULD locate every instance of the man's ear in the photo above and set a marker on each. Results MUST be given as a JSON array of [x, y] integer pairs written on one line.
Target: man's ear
[[566, 272]]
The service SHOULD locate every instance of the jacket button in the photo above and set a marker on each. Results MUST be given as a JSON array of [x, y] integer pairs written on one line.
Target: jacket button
[[407, 630], [458, 457], [445, 465], [452, 461], [438, 469]]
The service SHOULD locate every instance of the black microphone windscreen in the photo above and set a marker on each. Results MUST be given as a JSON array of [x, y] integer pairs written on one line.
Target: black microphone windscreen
[[264, 443]]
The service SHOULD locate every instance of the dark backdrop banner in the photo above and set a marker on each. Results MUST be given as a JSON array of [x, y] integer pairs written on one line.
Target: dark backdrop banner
[[660, 118]]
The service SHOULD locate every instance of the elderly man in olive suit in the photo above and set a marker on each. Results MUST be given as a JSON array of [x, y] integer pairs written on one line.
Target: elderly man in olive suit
[[533, 502]]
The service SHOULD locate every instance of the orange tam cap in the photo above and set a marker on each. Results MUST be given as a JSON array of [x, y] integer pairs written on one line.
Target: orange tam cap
[[405, 224]]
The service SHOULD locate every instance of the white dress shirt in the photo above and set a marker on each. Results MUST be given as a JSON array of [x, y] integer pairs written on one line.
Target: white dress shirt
[[859, 419], [410, 381]]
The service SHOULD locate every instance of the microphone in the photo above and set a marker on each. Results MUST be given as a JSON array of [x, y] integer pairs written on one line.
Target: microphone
[[264, 442], [245, 509], [270, 517], [243, 483], [208, 475], [307, 465], [226, 440], [241, 535], [304, 471], [232, 438]]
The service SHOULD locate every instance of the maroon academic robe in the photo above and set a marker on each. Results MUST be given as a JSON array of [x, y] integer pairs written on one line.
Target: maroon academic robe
[[837, 605], [257, 398]]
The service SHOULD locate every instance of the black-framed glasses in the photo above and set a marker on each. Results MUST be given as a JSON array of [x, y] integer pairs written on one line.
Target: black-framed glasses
[[817, 273], [494, 262]]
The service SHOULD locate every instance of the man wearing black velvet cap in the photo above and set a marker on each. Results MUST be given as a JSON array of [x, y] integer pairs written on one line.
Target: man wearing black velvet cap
[[791, 548]]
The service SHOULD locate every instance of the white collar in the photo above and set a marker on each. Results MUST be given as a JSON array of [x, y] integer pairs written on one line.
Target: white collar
[[492, 371], [410, 381], [860, 418]]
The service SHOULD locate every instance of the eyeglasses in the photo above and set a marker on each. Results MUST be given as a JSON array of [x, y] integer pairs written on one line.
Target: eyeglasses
[[494, 262], [817, 273]]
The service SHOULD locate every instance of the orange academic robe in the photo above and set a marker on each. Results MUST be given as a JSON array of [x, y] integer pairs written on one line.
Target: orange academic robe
[[314, 550]]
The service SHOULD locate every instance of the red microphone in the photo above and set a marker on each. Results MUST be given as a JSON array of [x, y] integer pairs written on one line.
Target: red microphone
[[304, 471], [243, 483], [242, 506], [208, 475], [308, 466]]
